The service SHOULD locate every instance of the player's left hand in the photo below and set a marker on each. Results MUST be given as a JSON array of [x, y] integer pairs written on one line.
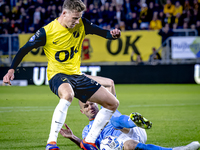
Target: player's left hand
[[67, 133], [116, 33]]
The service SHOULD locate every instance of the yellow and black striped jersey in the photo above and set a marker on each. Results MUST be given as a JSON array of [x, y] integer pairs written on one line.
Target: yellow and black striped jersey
[[61, 45], [63, 48]]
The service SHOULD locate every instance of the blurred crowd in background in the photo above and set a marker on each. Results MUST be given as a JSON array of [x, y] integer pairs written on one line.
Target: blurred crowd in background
[[27, 16]]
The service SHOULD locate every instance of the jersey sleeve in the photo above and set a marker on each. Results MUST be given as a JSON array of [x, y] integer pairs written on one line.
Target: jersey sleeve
[[91, 28], [37, 40]]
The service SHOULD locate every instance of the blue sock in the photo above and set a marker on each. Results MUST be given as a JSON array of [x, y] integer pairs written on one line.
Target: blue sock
[[142, 146], [122, 121]]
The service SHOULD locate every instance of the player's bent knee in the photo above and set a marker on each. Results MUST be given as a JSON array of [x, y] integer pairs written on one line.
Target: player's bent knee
[[117, 104], [67, 95], [113, 106], [130, 145], [110, 83]]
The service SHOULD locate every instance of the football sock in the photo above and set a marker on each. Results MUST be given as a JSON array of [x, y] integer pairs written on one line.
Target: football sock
[[100, 121], [141, 146], [58, 119], [122, 121]]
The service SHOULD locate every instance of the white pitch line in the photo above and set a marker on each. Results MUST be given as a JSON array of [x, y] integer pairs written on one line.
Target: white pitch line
[[25, 110], [30, 108], [51, 108], [26, 107]]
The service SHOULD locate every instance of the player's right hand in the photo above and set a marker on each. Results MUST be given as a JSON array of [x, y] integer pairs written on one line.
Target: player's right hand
[[9, 76]]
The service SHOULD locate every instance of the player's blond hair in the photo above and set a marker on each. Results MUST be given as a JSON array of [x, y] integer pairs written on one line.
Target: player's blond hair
[[74, 5]]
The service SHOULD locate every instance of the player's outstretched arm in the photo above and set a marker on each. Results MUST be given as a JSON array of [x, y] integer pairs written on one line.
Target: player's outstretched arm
[[37, 40], [9, 76], [91, 28], [67, 133]]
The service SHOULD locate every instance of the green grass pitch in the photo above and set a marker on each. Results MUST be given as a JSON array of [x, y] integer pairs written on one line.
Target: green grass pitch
[[26, 112]]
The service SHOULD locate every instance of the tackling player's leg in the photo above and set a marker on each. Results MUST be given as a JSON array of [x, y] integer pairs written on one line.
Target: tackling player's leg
[[192, 146], [131, 121], [122, 121], [140, 121]]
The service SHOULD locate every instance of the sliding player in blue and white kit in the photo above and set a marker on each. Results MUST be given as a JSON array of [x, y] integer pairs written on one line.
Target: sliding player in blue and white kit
[[133, 138], [131, 130]]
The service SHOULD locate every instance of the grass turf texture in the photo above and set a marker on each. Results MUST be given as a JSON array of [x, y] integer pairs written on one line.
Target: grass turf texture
[[26, 112]]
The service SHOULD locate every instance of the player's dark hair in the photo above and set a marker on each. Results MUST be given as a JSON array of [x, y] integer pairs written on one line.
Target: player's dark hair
[[72, 5]]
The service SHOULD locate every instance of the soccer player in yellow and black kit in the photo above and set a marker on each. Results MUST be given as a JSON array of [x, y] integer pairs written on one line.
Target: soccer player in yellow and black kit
[[62, 40]]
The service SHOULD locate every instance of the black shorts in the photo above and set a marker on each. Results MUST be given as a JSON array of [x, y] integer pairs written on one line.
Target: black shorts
[[83, 86]]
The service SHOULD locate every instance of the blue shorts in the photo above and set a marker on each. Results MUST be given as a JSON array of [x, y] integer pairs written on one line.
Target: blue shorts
[[83, 86]]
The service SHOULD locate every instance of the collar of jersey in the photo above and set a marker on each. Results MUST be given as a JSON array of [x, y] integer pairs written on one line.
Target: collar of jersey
[[91, 119]]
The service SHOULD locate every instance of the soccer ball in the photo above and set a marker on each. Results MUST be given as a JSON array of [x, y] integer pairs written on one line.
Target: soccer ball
[[111, 143]]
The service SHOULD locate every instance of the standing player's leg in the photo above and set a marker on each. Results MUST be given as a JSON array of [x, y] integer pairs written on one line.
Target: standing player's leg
[[110, 104], [66, 95]]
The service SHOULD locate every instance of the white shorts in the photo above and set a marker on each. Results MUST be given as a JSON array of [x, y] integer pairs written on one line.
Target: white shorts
[[137, 134]]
